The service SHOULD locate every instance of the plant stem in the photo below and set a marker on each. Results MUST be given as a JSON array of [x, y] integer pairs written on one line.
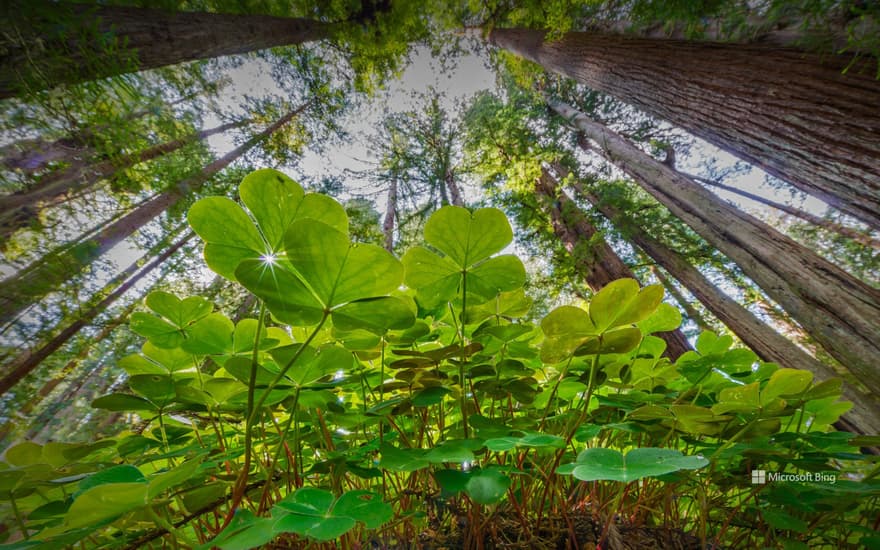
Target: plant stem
[[553, 393], [18, 518], [169, 528], [464, 419], [280, 375], [241, 483], [381, 389]]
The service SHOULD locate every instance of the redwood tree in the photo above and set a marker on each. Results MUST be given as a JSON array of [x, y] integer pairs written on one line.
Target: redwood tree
[[839, 311], [597, 262], [818, 221], [757, 335], [68, 43], [25, 362], [809, 119]]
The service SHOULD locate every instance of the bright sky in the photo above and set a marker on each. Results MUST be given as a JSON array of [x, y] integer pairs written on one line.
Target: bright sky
[[468, 76]]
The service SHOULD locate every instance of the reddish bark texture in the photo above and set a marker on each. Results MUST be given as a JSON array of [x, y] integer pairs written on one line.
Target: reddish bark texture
[[599, 264], [111, 40], [757, 335], [796, 115], [838, 310]]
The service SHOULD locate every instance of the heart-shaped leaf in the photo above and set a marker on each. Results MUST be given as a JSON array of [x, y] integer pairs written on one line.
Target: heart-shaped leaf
[[377, 315], [275, 201], [173, 315], [786, 383], [105, 502], [210, 335], [565, 328], [621, 303], [121, 402], [467, 238], [322, 270], [318, 514]]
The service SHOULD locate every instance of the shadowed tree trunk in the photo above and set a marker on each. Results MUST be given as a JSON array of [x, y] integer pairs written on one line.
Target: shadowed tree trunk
[[41, 278], [757, 335], [19, 209], [99, 41], [839, 311], [818, 221], [596, 261], [390, 211], [28, 360], [793, 114], [454, 189], [244, 308]]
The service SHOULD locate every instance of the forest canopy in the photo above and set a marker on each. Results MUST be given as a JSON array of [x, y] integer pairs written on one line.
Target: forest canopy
[[566, 274]]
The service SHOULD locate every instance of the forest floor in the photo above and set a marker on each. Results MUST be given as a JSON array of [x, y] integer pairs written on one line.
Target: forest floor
[[507, 533]]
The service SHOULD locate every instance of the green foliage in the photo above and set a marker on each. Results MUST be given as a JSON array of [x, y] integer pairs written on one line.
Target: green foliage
[[350, 393], [826, 26], [607, 464]]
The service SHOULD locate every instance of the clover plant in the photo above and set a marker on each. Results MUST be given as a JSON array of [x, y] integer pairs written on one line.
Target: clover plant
[[374, 398]]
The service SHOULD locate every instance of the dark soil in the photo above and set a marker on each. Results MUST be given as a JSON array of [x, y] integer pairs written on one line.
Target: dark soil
[[506, 533], [582, 533]]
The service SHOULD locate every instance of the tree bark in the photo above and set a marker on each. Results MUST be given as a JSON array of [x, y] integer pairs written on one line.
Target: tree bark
[[28, 360], [757, 335], [39, 279], [454, 189], [793, 114], [818, 221], [19, 209], [839, 311], [244, 308], [99, 41], [29, 156], [597, 262], [390, 211]]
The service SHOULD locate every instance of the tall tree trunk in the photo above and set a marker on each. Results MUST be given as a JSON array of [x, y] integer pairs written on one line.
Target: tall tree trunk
[[818, 221], [757, 335], [19, 209], [454, 189], [39, 279], [28, 360], [390, 211], [793, 114], [245, 307], [29, 156], [99, 41], [839, 311], [597, 261]]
